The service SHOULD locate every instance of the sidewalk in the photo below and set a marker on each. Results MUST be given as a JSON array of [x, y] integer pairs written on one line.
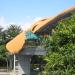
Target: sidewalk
[[5, 73], [8, 73]]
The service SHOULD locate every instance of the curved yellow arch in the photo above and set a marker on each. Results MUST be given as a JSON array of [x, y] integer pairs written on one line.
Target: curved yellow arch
[[42, 24], [15, 45]]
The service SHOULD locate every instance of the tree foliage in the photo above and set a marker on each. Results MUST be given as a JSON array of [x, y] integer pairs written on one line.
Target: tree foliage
[[60, 47], [12, 31], [5, 36]]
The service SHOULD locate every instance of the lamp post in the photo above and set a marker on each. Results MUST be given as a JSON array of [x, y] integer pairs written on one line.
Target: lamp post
[[14, 64]]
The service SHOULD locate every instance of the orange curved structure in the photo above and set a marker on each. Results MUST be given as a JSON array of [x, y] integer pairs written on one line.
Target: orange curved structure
[[41, 25], [15, 45]]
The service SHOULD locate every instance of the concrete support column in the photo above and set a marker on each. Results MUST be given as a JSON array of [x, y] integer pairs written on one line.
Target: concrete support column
[[23, 65]]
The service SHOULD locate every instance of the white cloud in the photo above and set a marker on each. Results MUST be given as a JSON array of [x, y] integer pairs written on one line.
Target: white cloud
[[26, 26], [29, 23], [37, 18], [2, 21]]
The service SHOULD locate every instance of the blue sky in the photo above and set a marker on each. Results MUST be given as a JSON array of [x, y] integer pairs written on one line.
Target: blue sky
[[26, 11]]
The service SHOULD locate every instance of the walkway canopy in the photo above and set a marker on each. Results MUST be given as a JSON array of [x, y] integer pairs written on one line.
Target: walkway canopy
[[44, 26], [41, 27]]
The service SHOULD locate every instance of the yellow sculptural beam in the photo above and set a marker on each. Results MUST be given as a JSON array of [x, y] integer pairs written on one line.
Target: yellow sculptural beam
[[15, 45]]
